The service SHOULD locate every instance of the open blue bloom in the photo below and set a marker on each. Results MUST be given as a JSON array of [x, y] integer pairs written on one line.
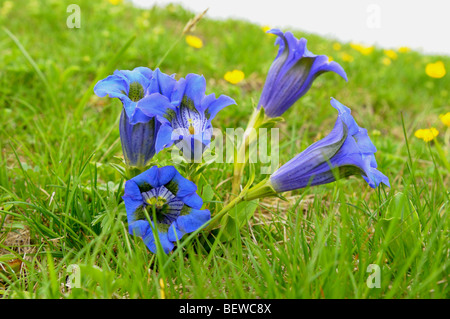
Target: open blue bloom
[[171, 202], [292, 73], [137, 131], [346, 151], [185, 116]]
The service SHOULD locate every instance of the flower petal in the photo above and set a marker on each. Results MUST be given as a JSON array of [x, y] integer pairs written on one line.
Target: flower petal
[[178, 92], [150, 242], [134, 76], [149, 177], [164, 138], [345, 115], [193, 200], [139, 228], [193, 220], [174, 233], [155, 177], [375, 177], [162, 83], [195, 88], [184, 187], [346, 151], [292, 73], [157, 105], [166, 174], [112, 85], [211, 106], [316, 154]]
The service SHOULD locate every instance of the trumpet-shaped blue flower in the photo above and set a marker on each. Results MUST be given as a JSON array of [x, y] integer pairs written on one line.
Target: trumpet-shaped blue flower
[[172, 204], [186, 115], [292, 73], [137, 131], [346, 151], [138, 140]]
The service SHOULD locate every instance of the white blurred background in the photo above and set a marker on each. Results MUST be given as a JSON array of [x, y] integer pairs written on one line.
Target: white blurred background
[[421, 25]]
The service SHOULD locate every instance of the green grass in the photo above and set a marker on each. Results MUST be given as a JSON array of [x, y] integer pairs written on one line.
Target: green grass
[[60, 197]]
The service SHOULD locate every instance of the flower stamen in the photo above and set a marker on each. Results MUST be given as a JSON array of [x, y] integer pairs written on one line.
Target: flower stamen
[[191, 127], [136, 92]]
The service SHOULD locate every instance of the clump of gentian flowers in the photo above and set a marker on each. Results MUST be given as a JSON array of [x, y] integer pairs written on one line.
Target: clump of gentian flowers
[[160, 112]]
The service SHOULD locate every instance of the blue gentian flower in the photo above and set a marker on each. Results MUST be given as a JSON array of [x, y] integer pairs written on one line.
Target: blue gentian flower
[[347, 148], [292, 73], [171, 202], [186, 116], [137, 131]]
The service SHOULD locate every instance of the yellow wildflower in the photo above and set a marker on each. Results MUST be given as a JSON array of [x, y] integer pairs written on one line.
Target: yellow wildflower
[[435, 70], [194, 41], [362, 49], [266, 28], [445, 118], [234, 77], [337, 46], [330, 58], [391, 54], [115, 2], [386, 61], [404, 49], [347, 57], [427, 134]]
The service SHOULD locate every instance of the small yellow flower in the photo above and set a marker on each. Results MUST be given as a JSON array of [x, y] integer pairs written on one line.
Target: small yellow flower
[[391, 54], [404, 49], [362, 49], [445, 118], [330, 58], [115, 2], [194, 41], [386, 61], [337, 46], [347, 57], [234, 77], [427, 134], [266, 28], [435, 70]]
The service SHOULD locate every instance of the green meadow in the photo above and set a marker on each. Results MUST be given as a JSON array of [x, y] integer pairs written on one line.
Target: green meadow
[[62, 218]]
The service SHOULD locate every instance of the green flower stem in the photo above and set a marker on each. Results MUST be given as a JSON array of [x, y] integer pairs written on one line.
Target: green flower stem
[[254, 122], [226, 209], [239, 167], [192, 171], [257, 120], [262, 189]]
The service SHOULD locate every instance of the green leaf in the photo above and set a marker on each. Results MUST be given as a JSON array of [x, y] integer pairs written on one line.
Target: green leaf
[[237, 218], [207, 193]]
